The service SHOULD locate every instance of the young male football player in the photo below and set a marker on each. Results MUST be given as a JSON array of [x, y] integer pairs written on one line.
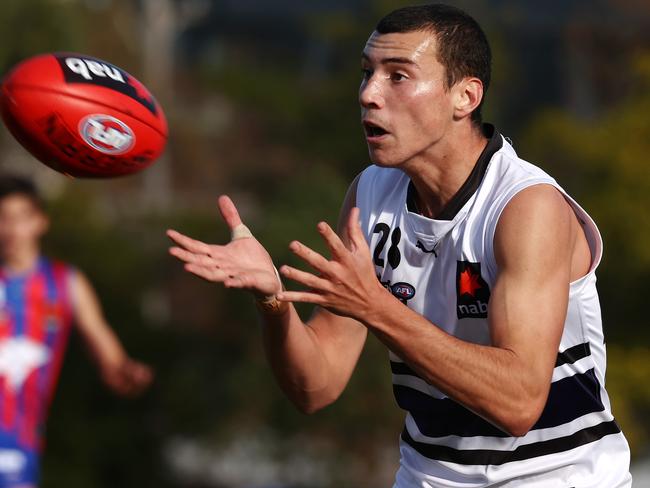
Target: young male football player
[[486, 297], [40, 301]]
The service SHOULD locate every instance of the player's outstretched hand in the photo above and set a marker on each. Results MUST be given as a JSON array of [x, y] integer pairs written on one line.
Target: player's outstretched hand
[[242, 263], [345, 284], [128, 378]]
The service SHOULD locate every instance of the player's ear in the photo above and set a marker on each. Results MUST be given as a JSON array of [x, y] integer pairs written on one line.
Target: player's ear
[[468, 95]]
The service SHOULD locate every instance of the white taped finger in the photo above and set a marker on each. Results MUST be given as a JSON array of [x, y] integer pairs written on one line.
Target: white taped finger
[[240, 232]]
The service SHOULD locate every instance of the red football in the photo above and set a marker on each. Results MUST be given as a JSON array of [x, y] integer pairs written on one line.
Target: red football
[[83, 116]]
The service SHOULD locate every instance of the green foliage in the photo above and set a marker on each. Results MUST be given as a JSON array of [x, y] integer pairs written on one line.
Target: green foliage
[[628, 374], [37, 26]]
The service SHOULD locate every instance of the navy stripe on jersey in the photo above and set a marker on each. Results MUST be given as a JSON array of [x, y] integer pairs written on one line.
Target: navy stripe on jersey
[[573, 354], [568, 399], [402, 368], [527, 451], [568, 356]]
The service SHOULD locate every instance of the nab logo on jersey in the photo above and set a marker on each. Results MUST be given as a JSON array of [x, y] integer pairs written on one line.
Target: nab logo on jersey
[[472, 292]]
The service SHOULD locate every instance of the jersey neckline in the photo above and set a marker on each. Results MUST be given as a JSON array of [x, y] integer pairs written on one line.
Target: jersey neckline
[[36, 267], [471, 184]]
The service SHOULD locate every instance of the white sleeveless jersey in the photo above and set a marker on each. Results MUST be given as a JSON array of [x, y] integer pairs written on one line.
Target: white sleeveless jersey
[[444, 270]]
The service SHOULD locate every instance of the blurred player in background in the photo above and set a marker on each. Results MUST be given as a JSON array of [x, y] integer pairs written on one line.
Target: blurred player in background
[[486, 297], [40, 300]]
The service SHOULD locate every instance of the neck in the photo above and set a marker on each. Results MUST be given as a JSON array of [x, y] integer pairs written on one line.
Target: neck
[[439, 172], [20, 262]]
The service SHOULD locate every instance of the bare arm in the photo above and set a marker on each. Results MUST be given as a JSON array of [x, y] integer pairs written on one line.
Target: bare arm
[[120, 373], [311, 361], [507, 382]]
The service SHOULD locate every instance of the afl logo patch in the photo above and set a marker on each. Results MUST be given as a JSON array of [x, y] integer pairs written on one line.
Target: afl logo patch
[[403, 291], [106, 134]]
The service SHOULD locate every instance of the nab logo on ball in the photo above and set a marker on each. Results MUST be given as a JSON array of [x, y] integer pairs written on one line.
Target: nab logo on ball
[[97, 72], [106, 134], [87, 68]]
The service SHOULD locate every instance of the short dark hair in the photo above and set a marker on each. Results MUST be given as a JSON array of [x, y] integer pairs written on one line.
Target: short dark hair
[[17, 185], [463, 48]]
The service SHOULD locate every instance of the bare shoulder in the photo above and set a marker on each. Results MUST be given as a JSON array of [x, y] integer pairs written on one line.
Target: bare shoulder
[[541, 201], [81, 288], [78, 279], [537, 225]]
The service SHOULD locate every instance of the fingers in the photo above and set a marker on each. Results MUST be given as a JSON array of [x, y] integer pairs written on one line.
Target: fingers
[[193, 258], [304, 278], [209, 268], [206, 267], [208, 273], [311, 257], [136, 377], [333, 241], [188, 243], [229, 211], [353, 229], [129, 378], [231, 216], [240, 232], [301, 296], [229, 278], [140, 375]]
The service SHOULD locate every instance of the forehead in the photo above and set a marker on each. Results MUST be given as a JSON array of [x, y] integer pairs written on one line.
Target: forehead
[[17, 202], [417, 46]]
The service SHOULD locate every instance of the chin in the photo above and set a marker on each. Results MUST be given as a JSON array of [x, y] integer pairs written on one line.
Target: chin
[[10, 250], [384, 160], [383, 164]]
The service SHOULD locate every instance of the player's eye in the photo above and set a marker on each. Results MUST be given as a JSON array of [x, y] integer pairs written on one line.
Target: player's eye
[[366, 73], [398, 77]]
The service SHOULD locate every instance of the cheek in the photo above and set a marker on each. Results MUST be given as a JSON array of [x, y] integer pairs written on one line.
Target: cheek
[[426, 89], [28, 229], [427, 105]]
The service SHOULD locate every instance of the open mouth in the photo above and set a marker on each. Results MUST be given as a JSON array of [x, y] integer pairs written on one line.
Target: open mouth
[[373, 130]]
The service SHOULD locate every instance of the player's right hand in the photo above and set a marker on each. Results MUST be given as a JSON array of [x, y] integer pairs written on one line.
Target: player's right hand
[[127, 377], [242, 263]]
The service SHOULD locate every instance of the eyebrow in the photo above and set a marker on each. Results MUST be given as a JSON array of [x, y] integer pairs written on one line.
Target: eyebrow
[[393, 60]]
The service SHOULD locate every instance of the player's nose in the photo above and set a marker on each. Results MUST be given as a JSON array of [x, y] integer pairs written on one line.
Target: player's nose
[[370, 94]]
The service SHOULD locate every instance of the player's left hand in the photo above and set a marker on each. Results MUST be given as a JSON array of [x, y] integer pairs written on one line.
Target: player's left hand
[[346, 284], [128, 378]]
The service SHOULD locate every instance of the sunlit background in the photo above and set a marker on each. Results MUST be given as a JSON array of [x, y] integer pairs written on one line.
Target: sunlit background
[[261, 100]]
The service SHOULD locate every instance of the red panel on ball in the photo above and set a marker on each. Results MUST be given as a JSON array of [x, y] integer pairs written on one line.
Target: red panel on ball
[[83, 116]]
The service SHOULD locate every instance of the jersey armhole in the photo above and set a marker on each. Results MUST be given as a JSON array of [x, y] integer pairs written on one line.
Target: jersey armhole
[[349, 201], [588, 225], [592, 234]]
